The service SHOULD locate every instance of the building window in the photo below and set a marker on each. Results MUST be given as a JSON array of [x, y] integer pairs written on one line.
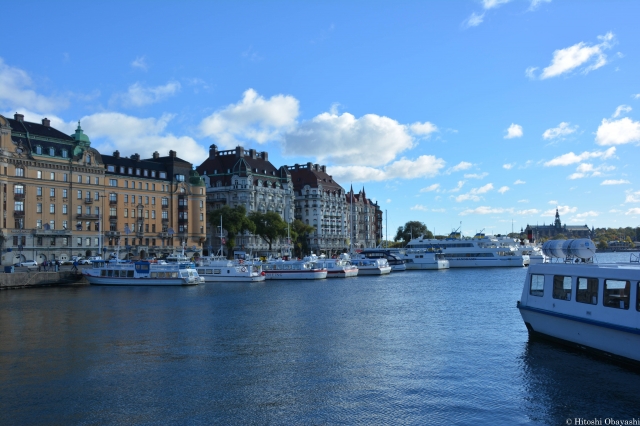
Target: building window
[[146, 173], [165, 202], [146, 200], [126, 212], [163, 175], [96, 196], [153, 214], [113, 182], [39, 174], [130, 170], [65, 177], [146, 214], [19, 189], [52, 176], [88, 241], [97, 181], [64, 225], [19, 171], [18, 206], [139, 185], [79, 209], [111, 169], [113, 212], [88, 180], [79, 195], [52, 208], [113, 197], [39, 191], [52, 226], [165, 214], [79, 241], [79, 178], [65, 241], [64, 209], [52, 192], [616, 294], [64, 153], [126, 198], [126, 183], [39, 208], [153, 174], [153, 201], [64, 193], [38, 223], [38, 149]]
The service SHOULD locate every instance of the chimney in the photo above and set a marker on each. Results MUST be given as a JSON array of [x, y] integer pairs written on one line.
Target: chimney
[[46, 122], [316, 167], [213, 151], [18, 117], [297, 166], [324, 168], [252, 153], [135, 157], [156, 155], [239, 151], [172, 154], [264, 155], [116, 154]]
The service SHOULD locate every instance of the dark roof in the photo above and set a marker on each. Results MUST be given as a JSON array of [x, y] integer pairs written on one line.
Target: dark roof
[[240, 162], [38, 129], [314, 176]]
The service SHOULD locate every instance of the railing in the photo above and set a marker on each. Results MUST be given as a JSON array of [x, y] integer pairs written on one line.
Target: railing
[[18, 213], [87, 216], [88, 200]]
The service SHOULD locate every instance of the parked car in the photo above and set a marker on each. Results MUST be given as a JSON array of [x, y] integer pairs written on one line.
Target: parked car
[[27, 263], [84, 261]]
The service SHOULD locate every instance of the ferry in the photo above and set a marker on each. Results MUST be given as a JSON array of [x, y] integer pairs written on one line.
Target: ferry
[[393, 257], [305, 269], [591, 306], [525, 247], [372, 266], [424, 259], [340, 267], [477, 252], [140, 273], [221, 269]]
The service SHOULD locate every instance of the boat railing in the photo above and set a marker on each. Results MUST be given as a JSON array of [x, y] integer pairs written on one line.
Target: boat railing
[[634, 258]]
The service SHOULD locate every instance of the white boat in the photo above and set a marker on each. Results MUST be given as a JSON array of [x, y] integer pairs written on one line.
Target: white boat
[[424, 259], [141, 273], [293, 270], [221, 269], [394, 259], [477, 252], [524, 247], [372, 266], [338, 268], [592, 306]]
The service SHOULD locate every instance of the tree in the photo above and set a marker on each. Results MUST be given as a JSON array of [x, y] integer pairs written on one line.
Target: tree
[[602, 245], [412, 229], [299, 233], [234, 221], [560, 237], [269, 226]]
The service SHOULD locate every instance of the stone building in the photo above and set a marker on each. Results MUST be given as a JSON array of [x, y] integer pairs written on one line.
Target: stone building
[[536, 232], [246, 177], [365, 217], [56, 189], [321, 203]]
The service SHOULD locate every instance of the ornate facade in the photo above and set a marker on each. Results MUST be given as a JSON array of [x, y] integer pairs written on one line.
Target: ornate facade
[[365, 217], [535, 232], [57, 189]]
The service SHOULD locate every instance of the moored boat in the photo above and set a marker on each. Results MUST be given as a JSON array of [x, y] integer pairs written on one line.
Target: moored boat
[[220, 269], [293, 270], [372, 266], [141, 273], [393, 257], [424, 259], [338, 268], [592, 306]]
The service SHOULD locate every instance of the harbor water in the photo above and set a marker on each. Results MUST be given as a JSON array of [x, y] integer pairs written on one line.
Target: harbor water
[[415, 348]]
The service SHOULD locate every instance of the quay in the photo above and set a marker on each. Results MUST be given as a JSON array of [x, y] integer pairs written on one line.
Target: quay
[[33, 278]]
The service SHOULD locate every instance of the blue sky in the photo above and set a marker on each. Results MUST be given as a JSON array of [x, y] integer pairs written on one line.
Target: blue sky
[[491, 113]]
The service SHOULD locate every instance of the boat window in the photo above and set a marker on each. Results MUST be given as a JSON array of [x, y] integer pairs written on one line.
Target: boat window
[[154, 275], [174, 275], [616, 294], [638, 297], [103, 273], [587, 291], [537, 285], [561, 287], [109, 273]]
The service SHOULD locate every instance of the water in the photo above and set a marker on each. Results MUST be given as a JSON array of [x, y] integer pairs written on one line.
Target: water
[[418, 347]]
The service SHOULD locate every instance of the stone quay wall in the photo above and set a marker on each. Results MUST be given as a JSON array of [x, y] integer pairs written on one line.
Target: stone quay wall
[[40, 279]]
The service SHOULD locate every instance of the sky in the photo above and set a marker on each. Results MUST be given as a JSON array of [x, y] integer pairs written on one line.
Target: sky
[[484, 115]]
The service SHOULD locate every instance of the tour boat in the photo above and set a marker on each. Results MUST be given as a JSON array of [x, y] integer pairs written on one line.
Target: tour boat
[[393, 257], [480, 251], [372, 266], [221, 269], [591, 306], [424, 259], [293, 270], [526, 248], [141, 273], [338, 268]]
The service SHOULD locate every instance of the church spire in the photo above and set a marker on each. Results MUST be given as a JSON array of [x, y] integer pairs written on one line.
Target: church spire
[[557, 222]]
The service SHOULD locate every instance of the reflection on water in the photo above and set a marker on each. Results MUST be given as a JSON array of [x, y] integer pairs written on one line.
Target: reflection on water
[[418, 347]]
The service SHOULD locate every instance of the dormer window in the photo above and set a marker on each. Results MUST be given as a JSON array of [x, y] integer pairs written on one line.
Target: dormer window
[[180, 178], [38, 149], [52, 152], [65, 153], [88, 159]]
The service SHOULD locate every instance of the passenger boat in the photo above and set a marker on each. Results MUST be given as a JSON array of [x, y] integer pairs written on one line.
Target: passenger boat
[[141, 273], [372, 266], [394, 259], [526, 248], [221, 269], [479, 251], [592, 306], [304, 269], [424, 259], [338, 268]]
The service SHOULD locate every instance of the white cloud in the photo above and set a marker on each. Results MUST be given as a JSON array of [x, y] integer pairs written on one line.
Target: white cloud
[[420, 207], [474, 20], [514, 131], [635, 210], [632, 197], [536, 3], [463, 165], [423, 129], [254, 119], [519, 182], [459, 187], [490, 4], [588, 170], [636, 96], [111, 130], [622, 109], [530, 72], [614, 182], [138, 95], [503, 189], [618, 132], [562, 210], [434, 187], [483, 210], [140, 62], [527, 212], [474, 194], [579, 56], [423, 166], [17, 94], [554, 202], [507, 166], [563, 129], [571, 158], [582, 216], [476, 175]]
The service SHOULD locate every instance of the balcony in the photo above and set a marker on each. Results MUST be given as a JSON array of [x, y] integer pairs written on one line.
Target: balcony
[[113, 201], [18, 196], [183, 220], [112, 234], [113, 217], [18, 213], [88, 200], [83, 216], [165, 206], [52, 232]]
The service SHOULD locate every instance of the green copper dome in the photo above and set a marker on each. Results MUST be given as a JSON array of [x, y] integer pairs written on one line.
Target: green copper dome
[[79, 135]]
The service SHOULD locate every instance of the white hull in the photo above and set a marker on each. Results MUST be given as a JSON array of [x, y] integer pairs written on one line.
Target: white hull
[[362, 270], [593, 335], [489, 262], [137, 281], [536, 259], [210, 278], [342, 273], [296, 275], [440, 264], [398, 268], [228, 271]]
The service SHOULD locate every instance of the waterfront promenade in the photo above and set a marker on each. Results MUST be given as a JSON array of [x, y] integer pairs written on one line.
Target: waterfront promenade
[[30, 277]]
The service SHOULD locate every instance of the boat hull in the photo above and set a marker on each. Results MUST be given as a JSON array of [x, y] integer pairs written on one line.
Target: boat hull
[[623, 343], [476, 262], [374, 271], [342, 273], [114, 281], [441, 264], [296, 275]]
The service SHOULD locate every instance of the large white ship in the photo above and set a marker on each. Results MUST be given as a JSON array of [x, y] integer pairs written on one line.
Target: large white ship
[[477, 252]]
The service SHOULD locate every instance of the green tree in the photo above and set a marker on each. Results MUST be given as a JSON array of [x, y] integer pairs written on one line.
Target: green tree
[[234, 221], [412, 229], [602, 245], [269, 226], [299, 233], [560, 237]]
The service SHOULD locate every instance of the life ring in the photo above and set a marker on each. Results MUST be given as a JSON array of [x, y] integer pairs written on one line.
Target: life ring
[[244, 269]]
